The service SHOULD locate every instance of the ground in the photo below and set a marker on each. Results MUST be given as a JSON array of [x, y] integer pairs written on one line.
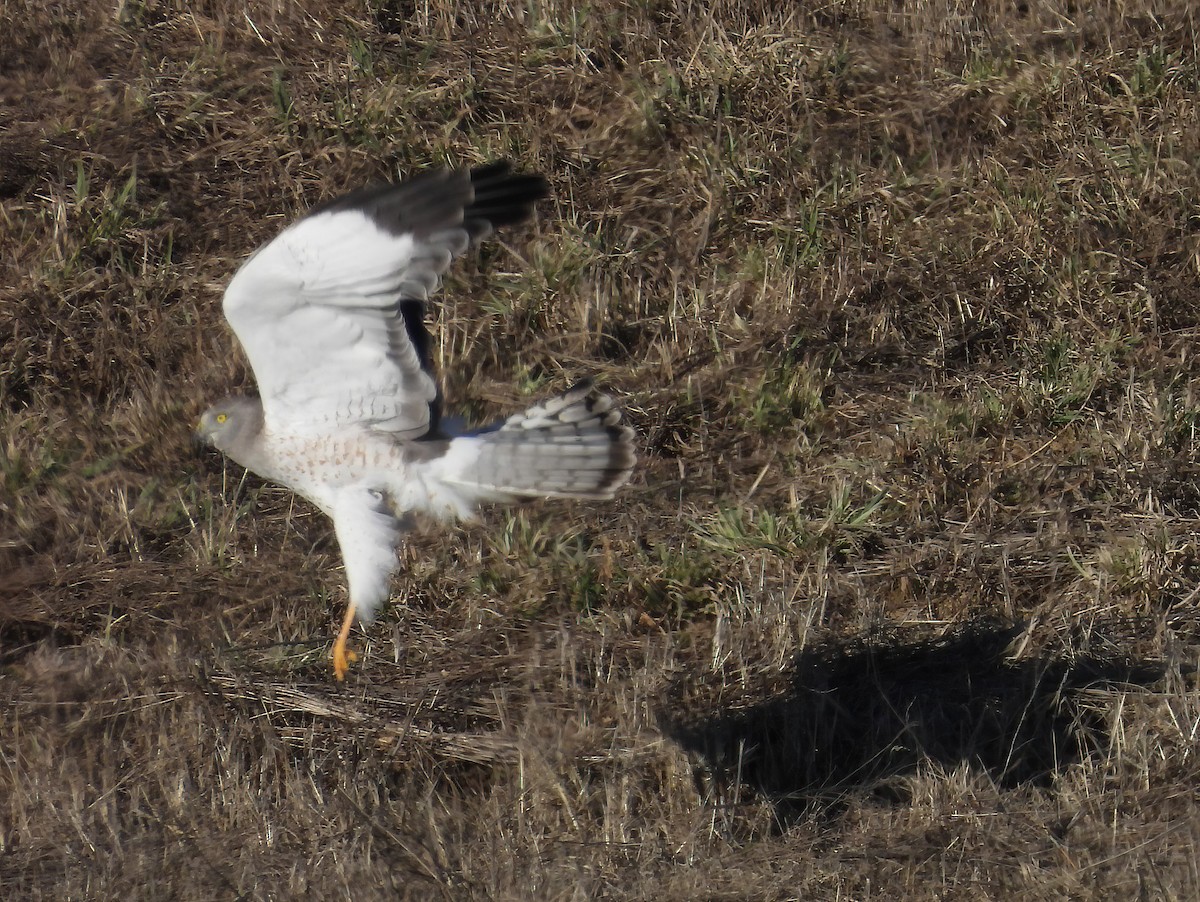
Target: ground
[[901, 299]]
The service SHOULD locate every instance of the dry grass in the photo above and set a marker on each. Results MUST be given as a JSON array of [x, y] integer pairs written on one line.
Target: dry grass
[[902, 300]]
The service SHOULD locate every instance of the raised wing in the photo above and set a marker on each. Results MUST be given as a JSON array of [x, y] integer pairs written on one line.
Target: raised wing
[[331, 312]]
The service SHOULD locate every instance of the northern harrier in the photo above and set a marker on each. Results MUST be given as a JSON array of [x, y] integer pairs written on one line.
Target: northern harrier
[[331, 315]]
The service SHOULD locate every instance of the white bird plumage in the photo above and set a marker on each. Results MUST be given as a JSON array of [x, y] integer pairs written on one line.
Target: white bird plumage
[[330, 314]]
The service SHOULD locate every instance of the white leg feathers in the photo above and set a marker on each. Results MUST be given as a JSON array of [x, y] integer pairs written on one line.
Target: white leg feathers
[[367, 532]]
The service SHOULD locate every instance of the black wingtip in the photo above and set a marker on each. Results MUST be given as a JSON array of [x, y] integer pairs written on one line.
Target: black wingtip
[[503, 197], [479, 200]]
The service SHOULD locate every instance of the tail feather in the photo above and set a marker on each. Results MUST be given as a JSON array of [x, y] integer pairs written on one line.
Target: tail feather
[[571, 446]]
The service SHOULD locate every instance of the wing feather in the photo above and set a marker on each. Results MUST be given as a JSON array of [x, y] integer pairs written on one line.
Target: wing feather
[[331, 312]]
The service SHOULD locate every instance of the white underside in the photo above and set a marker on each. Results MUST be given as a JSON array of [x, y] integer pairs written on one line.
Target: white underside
[[366, 481]]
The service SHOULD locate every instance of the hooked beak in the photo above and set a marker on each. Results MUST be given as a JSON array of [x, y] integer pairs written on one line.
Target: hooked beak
[[200, 438]]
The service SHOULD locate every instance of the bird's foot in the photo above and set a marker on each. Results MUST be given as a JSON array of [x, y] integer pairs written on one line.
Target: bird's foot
[[342, 659]]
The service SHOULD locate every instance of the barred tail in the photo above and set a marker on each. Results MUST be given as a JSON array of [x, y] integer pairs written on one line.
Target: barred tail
[[571, 446]]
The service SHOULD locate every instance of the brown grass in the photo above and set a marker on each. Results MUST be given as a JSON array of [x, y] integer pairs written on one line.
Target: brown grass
[[902, 301]]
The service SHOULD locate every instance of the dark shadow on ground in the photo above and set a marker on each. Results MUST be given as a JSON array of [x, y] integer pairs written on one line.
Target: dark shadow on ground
[[857, 715]]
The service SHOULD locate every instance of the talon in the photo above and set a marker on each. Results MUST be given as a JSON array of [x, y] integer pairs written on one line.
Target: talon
[[343, 657]]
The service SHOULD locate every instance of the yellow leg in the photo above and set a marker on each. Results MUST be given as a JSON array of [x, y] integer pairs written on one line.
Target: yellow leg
[[341, 657]]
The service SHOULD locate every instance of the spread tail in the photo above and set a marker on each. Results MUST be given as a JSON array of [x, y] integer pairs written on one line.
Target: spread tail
[[571, 446]]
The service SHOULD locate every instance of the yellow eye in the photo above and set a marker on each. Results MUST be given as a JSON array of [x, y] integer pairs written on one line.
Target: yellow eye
[[222, 417]]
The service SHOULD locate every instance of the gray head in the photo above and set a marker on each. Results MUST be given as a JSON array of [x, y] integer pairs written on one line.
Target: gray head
[[232, 426]]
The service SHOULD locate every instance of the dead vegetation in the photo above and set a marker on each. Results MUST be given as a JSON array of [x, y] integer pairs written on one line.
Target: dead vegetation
[[902, 301]]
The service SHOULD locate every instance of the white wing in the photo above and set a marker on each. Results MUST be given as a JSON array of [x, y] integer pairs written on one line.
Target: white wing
[[367, 533], [331, 312]]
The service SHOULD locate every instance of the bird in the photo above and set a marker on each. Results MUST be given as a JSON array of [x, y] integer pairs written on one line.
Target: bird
[[348, 414]]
